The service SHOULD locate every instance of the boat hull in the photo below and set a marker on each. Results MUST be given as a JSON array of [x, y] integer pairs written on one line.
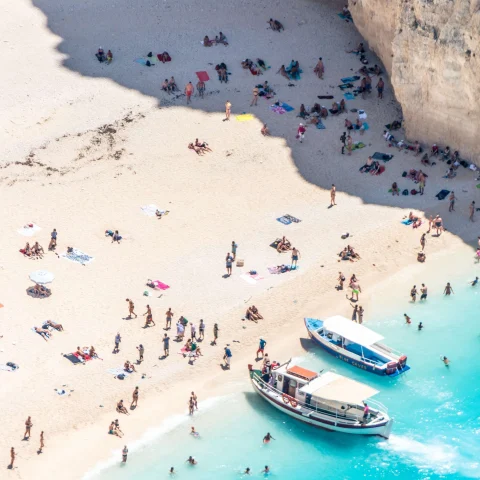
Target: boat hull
[[343, 355], [382, 429]]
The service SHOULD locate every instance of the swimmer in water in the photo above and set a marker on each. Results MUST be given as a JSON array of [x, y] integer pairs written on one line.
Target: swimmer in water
[[266, 470], [474, 282], [407, 319], [446, 361], [247, 471], [267, 438], [172, 471], [420, 326], [191, 460], [194, 433]]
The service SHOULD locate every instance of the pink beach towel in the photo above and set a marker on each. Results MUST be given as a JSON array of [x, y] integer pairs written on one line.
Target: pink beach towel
[[160, 285], [203, 76]]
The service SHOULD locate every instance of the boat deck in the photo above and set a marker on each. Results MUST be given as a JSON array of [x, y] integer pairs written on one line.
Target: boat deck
[[357, 350]]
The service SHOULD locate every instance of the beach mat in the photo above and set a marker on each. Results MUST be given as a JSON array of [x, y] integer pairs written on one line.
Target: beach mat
[[358, 145], [149, 210], [325, 97], [382, 156], [349, 96], [118, 371], [287, 107], [202, 76], [275, 243], [407, 221], [29, 231], [73, 358], [284, 220], [77, 256], [245, 117], [277, 109], [350, 79], [442, 194], [142, 61], [345, 85], [321, 126]]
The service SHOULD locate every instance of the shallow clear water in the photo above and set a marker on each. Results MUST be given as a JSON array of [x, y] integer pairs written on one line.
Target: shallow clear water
[[436, 434]]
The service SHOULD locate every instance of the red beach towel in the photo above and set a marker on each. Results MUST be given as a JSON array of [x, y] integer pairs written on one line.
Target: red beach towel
[[203, 76]]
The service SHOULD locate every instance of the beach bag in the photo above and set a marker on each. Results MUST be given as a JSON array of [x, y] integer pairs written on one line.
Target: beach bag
[[405, 192], [413, 191], [121, 376], [148, 64], [404, 174]]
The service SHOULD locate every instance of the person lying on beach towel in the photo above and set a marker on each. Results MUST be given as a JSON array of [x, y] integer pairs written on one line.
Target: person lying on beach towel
[[293, 70], [368, 166], [284, 245], [282, 71], [56, 326], [39, 291], [197, 150], [262, 64], [43, 332], [203, 145], [164, 57], [275, 25]]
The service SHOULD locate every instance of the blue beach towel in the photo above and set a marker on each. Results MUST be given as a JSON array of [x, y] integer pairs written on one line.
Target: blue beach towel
[[287, 107], [344, 17], [350, 79], [142, 61], [365, 126], [407, 221], [382, 156], [284, 220], [349, 96], [321, 126]]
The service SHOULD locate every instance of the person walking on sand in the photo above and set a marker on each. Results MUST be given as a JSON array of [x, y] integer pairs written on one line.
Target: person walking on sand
[[141, 351], [380, 87], [28, 427], [340, 280], [448, 289], [42, 443], [319, 69], [295, 256], [452, 199], [12, 458], [234, 249], [360, 314], [261, 347], [134, 398], [354, 313], [124, 454], [356, 289], [301, 132], [193, 331], [149, 315], [472, 211], [169, 314], [118, 339], [255, 96], [131, 308], [423, 240], [166, 345], [189, 89], [438, 222], [430, 223], [215, 334], [424, 291], [201, 88], [201, 330], [228, 109], [343, 139], [333, 192], [349, 145], [53, 240], [413, 293], [408, 320], [227, 357], [195, 400], [228, 263]]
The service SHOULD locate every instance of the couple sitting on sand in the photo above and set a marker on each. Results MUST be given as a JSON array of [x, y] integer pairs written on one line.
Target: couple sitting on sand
[[83, 353], [284, 245], [116, 237], [39, 291], [101, 57], [220, 38], [275, 25], [371, 167], [200, 148], [192, 349], [169, 86], [253, 314], [349, 254], [255, 69], [221, 69], [35, 251]]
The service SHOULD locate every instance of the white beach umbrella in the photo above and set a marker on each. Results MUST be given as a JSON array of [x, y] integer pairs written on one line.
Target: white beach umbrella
[[42, 277]]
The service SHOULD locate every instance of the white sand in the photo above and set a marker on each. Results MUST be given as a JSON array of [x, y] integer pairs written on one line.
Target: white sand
[[82, 182]]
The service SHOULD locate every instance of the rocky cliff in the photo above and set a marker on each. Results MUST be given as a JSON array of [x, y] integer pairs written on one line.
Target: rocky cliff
[[431, 50]]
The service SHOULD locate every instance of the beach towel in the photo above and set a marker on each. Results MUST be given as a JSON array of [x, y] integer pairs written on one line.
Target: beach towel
[[365, 126], [87, 358], [407, 221], [286, 107], [292, 218], [345, 86], [349, 96], [160, 58], [358, 145], [382, 156], [75, 360], [160, 285], [284, 220], [380, 170], [203, 76], [28, 231], [321, 126], [362, 115], [275, 243], [248, 278], [77, 256], [245, 117], [150, 210], [350, 79], [281, 269], [118, 371], [442, 194], [277, 109], [345, 17], [143, 61]]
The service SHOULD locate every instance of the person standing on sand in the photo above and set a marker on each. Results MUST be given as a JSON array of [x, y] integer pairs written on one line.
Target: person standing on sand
[[255, 96], [28, 427], [228, 263], [166, 345], [134, 398], [189, 89], [191, 406], [380, 87], [448, 289], [12, 458], [295, 256], [356, 289], [333, 192], [227, 357], [234, 249], [438, 222], [340, 280], [228, 109], [42, 444], [261, 347], [360, 314], [319, 69], [343, 139], [124, 454], [349, 145], [193, 331], [118, 339], [149, 315], [354, 313], [424, 291], [472, 211], [201, 88], [201, 330], [131, 308], [430, 223], [301, 132], [408, 320], [141, 351], [195, 400], [452, 199], [423, 240], [169, 315], [215, 334], [53, 240]]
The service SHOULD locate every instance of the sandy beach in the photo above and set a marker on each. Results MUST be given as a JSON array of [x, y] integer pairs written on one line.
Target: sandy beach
[[86, 145]]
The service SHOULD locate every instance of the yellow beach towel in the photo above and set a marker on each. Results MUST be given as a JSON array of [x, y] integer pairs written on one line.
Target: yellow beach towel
[[245, 117]]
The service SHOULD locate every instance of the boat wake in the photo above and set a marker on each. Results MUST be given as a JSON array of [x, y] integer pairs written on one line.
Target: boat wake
[[436, 457]]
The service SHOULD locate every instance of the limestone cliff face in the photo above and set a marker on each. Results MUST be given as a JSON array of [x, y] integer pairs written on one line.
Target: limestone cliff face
[[431, 49]]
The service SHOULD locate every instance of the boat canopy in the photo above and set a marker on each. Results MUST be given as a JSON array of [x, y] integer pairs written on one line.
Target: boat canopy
[[334, 387], [351, 331]]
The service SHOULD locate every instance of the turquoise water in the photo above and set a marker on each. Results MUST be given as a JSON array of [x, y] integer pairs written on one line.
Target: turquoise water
[[436, 434]]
